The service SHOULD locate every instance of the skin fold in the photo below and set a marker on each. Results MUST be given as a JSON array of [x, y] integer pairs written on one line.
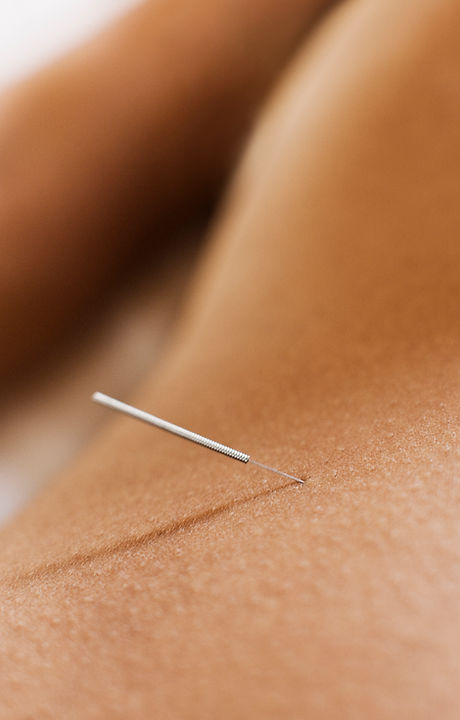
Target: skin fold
[[321, 335]]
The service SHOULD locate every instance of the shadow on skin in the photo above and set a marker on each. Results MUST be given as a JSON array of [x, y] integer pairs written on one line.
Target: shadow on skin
[[128, 543]]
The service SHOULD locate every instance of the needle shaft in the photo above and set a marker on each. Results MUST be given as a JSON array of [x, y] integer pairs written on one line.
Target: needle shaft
[[146, 417]]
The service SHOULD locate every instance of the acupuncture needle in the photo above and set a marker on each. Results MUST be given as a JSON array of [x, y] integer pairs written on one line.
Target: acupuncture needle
[[146, 417]]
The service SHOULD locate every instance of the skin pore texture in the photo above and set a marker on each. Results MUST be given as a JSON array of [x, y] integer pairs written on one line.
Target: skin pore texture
[[157, 579]]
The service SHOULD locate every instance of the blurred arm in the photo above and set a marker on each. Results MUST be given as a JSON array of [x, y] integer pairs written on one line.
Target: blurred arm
[[130, 133]]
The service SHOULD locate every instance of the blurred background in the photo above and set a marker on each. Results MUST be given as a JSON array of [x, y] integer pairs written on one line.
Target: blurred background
[[33, 32], [49, 418]]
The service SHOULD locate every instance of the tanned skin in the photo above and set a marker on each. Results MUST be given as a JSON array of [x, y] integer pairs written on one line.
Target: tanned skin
[[322, 336], [120, 144]]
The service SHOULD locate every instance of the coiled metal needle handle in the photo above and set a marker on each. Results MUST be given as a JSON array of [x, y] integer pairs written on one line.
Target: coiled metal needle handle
[[146, 417]]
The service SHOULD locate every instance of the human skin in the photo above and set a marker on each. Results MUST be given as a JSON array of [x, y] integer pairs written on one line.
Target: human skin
[[321, 337], [102, 152]]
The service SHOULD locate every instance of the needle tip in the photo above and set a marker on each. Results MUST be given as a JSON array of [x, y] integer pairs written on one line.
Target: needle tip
[[278, 472]]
